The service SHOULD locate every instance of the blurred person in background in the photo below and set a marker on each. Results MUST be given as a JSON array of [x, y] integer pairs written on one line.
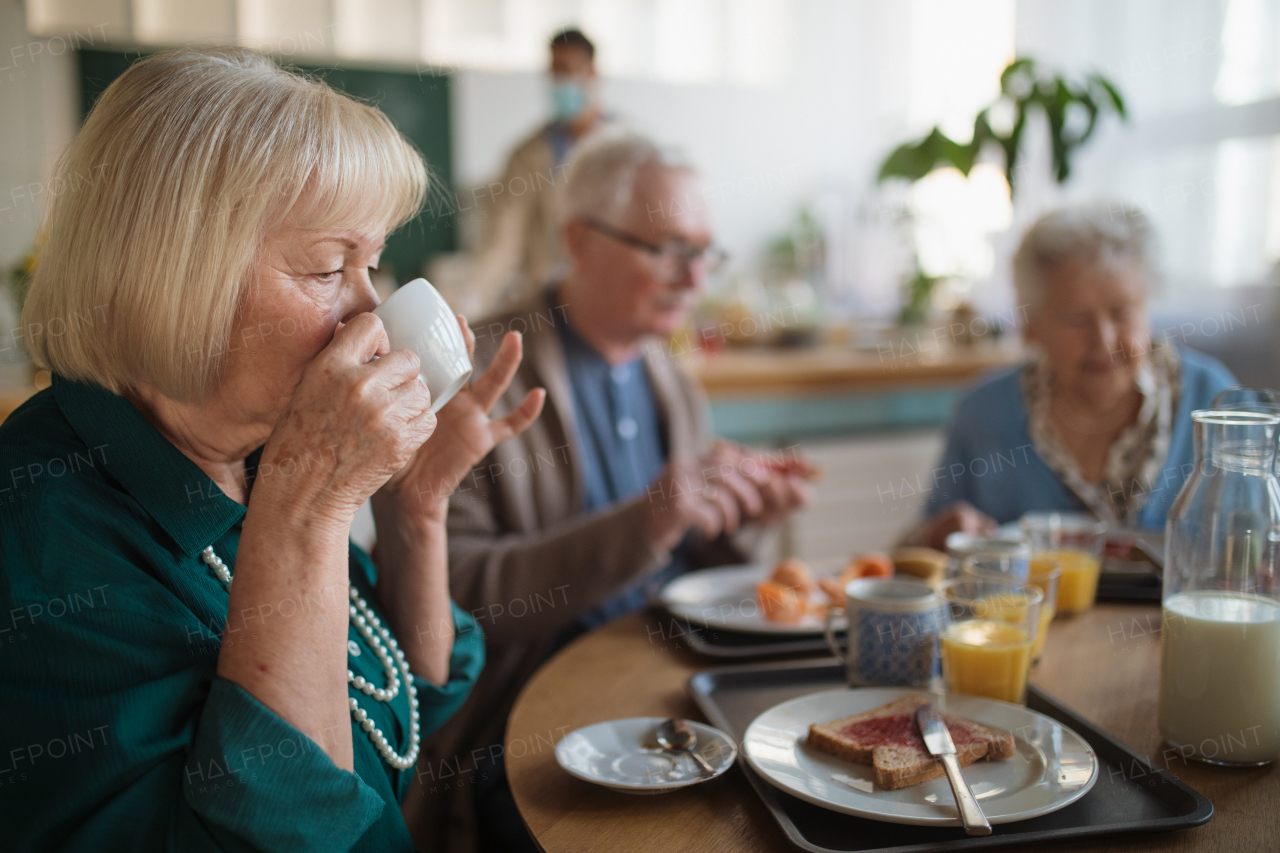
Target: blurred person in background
[[1099, 420], [520, 246], [618, 487]]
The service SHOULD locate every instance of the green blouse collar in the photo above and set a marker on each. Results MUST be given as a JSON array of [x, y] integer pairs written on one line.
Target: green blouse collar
[[184, 500]]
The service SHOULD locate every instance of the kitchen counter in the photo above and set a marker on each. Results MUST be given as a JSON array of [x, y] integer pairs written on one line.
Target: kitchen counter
[[735, 373], [778, 396]]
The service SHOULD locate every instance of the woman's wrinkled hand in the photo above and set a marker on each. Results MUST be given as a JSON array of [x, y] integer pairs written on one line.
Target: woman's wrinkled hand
[[960, 516], [353, 421], [464, 433]]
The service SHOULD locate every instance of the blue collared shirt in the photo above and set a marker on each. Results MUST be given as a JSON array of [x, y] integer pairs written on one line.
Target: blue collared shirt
[[622, 448], [618, 430]]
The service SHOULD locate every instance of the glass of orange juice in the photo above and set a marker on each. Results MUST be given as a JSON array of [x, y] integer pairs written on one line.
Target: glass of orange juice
[[1074, 542], [988, 637], [1002, 567]]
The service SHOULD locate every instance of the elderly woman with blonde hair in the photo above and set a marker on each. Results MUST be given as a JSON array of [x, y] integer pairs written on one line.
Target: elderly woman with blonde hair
[[222, 403], [1099, 420]]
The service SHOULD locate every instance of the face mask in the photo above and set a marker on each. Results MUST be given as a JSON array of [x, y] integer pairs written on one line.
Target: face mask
[[568, 99]]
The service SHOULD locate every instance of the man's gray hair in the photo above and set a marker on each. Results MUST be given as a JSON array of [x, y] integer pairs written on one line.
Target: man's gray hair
[[1100, 232], [602, 174]]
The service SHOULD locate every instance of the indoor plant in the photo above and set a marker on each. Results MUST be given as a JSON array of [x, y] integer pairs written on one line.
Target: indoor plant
[[1071, 110]]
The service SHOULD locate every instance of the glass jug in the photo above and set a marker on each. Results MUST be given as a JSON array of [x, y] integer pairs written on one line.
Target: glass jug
[[1220, 641]]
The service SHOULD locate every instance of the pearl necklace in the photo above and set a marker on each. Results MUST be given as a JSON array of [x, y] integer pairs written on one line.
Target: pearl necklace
[[388, 653]]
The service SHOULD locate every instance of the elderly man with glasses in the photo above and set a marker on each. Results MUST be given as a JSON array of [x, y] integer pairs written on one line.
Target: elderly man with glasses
[[618, 487]]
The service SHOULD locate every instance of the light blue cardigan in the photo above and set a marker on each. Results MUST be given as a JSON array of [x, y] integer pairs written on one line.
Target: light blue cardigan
[[989, 460]]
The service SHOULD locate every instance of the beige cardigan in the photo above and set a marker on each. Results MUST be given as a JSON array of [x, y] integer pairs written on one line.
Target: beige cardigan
[[526, 561]]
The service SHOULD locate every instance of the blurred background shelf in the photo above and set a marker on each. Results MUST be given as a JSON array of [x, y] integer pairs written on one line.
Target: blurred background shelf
[[777, 397], [827, 370]]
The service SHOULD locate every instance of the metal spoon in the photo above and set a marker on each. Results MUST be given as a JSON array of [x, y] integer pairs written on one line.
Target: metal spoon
[[676, 736]]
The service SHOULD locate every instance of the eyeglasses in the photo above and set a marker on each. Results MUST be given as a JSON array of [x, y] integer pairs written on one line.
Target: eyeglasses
[[671, 259]]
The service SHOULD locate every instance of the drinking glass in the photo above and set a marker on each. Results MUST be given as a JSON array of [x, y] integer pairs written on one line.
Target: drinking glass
[[1045, 577], [1073, 541], [990, 629], [962, 545]]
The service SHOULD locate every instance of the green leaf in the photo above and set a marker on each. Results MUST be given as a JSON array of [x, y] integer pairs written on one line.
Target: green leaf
[[1117, 101], [1085, 100], [1024, 65], [1012, 145], [914, 160], [1054, 106]]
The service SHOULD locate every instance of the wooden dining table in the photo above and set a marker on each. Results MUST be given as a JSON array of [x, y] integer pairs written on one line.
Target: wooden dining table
[[1105, 665]]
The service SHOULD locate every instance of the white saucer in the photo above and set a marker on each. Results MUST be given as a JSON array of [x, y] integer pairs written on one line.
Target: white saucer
[[1053, 766], [624, 755]]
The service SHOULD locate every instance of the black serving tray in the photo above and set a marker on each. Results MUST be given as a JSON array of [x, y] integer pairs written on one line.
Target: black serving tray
[[722, 643], [1139, 575], [1130, 794], [1128, 582]]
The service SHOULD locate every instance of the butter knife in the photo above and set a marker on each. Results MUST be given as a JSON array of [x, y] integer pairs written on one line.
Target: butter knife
[[938, 741]]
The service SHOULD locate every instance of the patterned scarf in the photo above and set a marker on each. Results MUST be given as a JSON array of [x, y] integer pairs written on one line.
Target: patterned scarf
[[1134, 460]]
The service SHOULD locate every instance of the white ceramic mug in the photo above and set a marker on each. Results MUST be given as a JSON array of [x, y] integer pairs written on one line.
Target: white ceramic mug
[[417, 318], [894, 626]]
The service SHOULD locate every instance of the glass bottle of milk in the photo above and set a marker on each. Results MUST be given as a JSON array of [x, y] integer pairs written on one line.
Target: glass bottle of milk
[[1220, 656]]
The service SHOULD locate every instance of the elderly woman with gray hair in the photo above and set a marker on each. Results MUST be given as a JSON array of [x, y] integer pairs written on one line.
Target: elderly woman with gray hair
[[197, 657], [1099, 421]]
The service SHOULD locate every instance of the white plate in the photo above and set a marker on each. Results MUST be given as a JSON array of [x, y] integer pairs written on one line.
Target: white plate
[[624, 755], [725, 597], [1053, 766]]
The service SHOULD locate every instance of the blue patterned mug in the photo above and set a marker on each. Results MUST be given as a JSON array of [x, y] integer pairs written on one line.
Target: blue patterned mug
[[894, 626]]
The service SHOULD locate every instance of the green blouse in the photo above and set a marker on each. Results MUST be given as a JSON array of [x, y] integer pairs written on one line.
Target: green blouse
[[115, 731]]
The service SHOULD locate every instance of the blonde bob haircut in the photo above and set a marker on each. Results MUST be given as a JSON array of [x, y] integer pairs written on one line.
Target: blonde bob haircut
[[166, 195]]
